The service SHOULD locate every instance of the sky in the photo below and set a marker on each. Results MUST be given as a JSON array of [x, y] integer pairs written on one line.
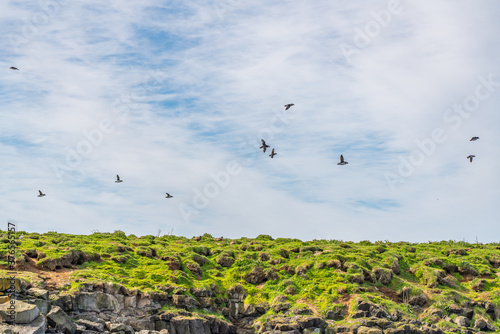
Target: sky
[[175, 97]]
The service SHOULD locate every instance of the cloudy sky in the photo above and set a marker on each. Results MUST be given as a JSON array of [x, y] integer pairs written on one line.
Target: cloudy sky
[[175, 96]]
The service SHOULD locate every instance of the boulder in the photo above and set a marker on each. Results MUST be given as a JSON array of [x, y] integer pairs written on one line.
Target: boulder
[[24, 312], [256, 276], [225, 261], [37, 326], [57, 317], [121, 328], [90, 325], [369, 330], [481, 324], [96, 301], [384, 276], [39, 293], [462, 321]]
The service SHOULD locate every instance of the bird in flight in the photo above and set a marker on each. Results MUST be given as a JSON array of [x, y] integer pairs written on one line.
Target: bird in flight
[[118, 180], [470, 157], [168, 196], [264, 146], [272, 154], [14, 68], [287, 106], [474, 138], [342, 162], [41, 194]]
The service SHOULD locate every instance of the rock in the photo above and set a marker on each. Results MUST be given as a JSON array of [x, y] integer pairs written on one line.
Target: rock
[[121, 328], [281, 307], [195, 269], [43, 305], [172, 263], [384, 276], [479, 285], [369, 330], [284, 253], [455, 309], [24, 312], [37, 326], [57, 317], [419, 300], [225, 261], [201, 260], [96, 301], [65, 302], [271, 275], [264, 257], [481, 324], [90, 325], [337, 314], [395, 266], [256, 276], [462, 321], [39, 293]]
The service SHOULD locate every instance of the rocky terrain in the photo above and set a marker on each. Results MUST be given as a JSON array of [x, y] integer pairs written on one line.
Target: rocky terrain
[[207, 285]]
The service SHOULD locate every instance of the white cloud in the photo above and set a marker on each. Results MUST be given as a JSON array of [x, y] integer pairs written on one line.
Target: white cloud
[[186, 88]]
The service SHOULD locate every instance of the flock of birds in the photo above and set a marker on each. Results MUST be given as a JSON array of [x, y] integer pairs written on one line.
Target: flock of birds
[[470, 157], [263, 147]]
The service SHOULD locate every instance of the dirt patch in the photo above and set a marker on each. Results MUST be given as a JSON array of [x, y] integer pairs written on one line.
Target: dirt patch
[[55, 279], [391, 294], [311, 306], [346, 300]]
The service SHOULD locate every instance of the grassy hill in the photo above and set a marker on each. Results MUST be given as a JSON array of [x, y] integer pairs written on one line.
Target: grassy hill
[[322, 276]]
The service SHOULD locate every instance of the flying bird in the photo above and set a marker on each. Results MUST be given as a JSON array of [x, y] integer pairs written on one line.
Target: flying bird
[[474, 138], [470, 157], [168, 196], [14, 68], [118, 180], [41, 194], [342, 162], [264, 146], [272, 154], [287, 106]]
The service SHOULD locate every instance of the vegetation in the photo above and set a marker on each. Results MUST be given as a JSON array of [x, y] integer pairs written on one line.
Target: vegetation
[[322, 275]]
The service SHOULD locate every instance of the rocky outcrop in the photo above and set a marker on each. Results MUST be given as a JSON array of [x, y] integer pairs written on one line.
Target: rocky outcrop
[[110, 308], [24, 313], [58, 318]]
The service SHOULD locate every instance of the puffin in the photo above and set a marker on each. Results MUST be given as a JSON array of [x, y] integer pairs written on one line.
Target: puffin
[[264, 146], [342, 162]]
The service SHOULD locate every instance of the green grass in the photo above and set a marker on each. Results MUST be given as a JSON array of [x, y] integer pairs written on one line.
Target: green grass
[[308, 272]]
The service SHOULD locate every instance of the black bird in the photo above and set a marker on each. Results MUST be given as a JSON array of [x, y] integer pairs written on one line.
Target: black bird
[[264, 146], [118, 180], [474, 138], [168, 196], [342, 162], [272, 154], [41, 194], [14, 68], [470, 157], [287, 106]]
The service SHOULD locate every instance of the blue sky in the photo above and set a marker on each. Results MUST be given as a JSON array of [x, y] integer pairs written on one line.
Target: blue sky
[[175, 97]]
